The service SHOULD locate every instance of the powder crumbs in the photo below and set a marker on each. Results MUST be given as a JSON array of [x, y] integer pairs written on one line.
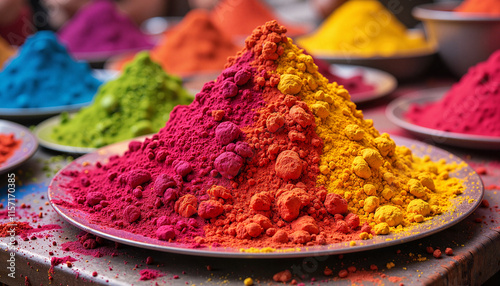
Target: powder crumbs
[[269, 155]]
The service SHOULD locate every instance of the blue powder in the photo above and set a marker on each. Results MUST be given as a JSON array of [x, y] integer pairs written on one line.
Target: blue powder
[[43, 74]]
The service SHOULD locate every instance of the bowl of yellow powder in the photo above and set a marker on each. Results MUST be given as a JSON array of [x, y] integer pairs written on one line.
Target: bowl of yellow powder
[[464, 35], [366, 33]]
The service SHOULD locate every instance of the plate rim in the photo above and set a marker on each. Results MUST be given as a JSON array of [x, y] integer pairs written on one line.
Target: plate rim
[[304, 251], [392, 82], [434, 94], [31, 144], [47, 126]]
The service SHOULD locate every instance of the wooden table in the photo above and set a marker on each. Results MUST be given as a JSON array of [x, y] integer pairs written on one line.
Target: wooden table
[[475, 241]]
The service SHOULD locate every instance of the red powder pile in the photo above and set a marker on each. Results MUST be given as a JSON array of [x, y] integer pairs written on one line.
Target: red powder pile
[[8, 145], [471, 106], [236, 168], [488, 7], [239, 18]]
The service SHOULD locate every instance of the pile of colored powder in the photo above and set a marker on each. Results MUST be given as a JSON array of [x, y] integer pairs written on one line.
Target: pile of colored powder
[[137, 103], [8, 145], [471, 106], [6, 51], [101, 27], [43, 74], [363, 28], [270, 154], [194, 45], [239, 18], [489, 7]]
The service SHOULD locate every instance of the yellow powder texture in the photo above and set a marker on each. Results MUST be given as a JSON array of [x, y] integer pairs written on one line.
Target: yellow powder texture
[[363, 28], [6, 51], [384, 184]]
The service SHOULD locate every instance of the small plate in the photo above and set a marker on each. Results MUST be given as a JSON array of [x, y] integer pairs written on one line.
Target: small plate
[[43, 132], [383, 82], [44, 112], [473, 191], [397, 109], [403, 66], [28, 147]]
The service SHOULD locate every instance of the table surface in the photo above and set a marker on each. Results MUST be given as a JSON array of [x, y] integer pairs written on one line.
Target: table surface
[[475, 241]]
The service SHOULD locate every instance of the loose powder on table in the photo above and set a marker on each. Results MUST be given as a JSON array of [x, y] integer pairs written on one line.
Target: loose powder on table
[[43, 74], [137, 103], [239, 18], [489, 7], [269, 155], [101, 27], [363, 28], [6, 51], [471, 106], [8, 146]]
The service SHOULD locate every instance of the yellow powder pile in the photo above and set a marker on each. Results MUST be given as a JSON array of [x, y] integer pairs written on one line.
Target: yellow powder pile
[[6, 51], [363, 28], [384, 184]]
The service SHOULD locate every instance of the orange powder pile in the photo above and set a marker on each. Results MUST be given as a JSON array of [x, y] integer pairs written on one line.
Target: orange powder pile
[[195, 45], [8, 145], [490, 7], [239, 18], [6, 51]]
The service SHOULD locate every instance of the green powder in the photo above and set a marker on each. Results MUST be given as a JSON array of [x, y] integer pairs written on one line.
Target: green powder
[[137, 103]]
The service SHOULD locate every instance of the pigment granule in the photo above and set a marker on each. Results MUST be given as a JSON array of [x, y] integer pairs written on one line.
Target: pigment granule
[[139, 102], [270, 154], [363, 28], [6, 51], [43, 74], [471, 106], [100, 27], [8, 145], [484, 7]]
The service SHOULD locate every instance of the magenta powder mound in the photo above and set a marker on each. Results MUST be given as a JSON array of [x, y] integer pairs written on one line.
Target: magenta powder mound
[[100, 27], [471, 106]]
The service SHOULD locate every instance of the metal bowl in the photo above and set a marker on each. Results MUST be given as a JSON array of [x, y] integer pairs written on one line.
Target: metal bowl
[[463, 39]]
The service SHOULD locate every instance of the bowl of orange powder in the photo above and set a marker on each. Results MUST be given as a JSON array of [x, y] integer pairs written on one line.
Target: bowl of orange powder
[[466, 33]]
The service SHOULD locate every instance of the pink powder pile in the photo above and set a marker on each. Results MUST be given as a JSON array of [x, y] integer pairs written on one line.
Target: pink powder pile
[[100, 27], [471, 106]]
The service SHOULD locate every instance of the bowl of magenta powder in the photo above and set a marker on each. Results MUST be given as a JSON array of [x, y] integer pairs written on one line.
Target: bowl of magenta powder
[[99, 30], [471, 106], [43, 76]]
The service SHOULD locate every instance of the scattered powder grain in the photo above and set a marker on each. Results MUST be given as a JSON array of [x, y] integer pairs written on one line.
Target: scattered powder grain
[[363, 28], [269, 155], [471, 106], [137, 103]]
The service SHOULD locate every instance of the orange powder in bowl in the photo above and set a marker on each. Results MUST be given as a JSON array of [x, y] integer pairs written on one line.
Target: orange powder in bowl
[[8, 145], [6, 51], [490, 7]]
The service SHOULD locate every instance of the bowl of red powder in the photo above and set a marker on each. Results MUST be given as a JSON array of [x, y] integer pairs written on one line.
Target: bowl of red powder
[[465, 34]]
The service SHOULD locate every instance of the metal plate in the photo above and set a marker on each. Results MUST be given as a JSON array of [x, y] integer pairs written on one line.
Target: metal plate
[[43, 132], [28, 147], [397, 109], [461, 209], [44, 112], [383, 82]]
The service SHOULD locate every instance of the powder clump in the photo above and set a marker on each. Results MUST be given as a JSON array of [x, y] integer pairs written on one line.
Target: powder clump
[[363, 28], [137, 103], [43, 74], [291, 180], [471, 106]]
